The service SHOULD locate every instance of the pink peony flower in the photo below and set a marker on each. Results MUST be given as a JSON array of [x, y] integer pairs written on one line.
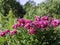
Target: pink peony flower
[[13, 32], [44, 18], [14, 26], [59, 22], [37, 18], [6, 31], [51, 19], [46, 23], [55, 22], [28, 21], [31, 31], [28, 25], [2, 33], [41, 24], [18, 25], [21, 20]]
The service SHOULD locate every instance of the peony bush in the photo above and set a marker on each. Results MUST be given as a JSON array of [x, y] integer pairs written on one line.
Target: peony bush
[[39, 23], [40, 31]]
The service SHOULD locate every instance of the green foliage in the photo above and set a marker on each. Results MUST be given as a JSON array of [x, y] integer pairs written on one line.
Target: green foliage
[[10, 20], [7, 21], [43, 37], [30, 9], [2, 40], [6, 5], [49, 7]]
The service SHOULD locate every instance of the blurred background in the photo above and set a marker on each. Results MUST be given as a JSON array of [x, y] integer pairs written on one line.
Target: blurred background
[[22, 8]]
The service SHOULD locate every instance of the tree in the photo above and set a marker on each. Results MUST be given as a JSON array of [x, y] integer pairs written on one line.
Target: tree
[[17, 9], [51, 7], [30, 8]]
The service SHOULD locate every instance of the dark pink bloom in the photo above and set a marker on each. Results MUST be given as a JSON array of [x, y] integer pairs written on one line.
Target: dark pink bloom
[[59, 22], [6, 31], [14, 26], [19, 24], [31, 31], [51, 19], [13, 32], [28, 21], [21, 20], [2, 33], [44, 18], [46, 23], [35, 22], [55, 22], [22, 25], [37, 18], [39, 24], [28, 25]]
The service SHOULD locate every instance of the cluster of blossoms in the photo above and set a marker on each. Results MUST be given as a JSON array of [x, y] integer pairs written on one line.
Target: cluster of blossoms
[[39, 23], [5, 32]]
